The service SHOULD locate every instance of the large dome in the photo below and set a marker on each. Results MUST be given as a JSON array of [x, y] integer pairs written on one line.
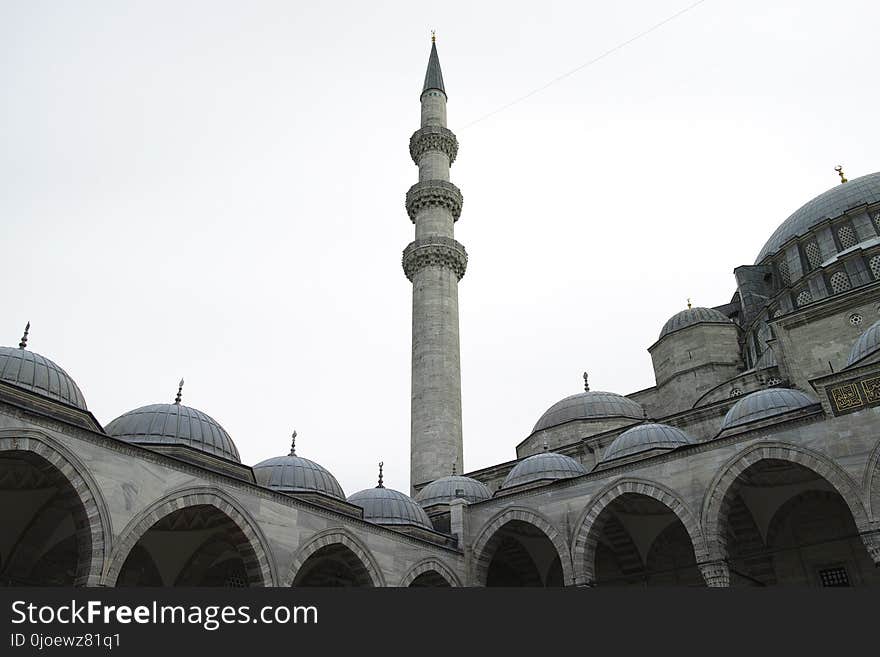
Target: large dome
[[867, 344], [691, 316], [592, 405], [546, 465], [828, 205], [174, 424], [763, 404], [386, 506], [645, 437], [294, 474], [446, 489], [33, 372]]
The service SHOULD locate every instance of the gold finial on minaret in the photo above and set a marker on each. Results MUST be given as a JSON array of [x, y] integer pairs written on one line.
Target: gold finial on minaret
[[689, 303], [839, 170], [433, 37]]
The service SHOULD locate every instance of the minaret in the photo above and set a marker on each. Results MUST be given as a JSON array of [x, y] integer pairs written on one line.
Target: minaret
[[434, 262]]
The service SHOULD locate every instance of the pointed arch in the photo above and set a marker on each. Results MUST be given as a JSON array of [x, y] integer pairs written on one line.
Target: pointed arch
[[328, 537], [872, 484], [255, 550], [721, 491], [483, 557], [587, 537], [94, 529], [428, 565]]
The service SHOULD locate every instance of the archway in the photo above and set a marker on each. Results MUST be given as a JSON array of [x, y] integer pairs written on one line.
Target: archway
[[782, 523], [333, 565], [430, 579], [640, 541], [430, 572], [521, 554], [53, 534]]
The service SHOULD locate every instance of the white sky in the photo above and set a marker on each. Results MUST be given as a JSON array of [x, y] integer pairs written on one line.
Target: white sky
[[215, 190]]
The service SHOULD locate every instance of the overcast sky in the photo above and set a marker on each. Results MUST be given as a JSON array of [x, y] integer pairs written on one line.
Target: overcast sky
[[215, 190]]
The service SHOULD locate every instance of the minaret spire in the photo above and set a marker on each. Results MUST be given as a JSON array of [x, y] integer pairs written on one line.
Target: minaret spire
[[434, 262]]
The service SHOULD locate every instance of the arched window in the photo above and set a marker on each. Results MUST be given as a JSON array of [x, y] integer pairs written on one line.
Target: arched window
[[839, 282], [784, 274], [803, 298], [847, 236], [874, 264], [814, 257]]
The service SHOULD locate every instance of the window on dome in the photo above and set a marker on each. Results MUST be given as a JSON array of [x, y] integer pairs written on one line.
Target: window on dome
[[874, 264], [875, 217], [846, 236], [803, 298], [814, 257], [839, 282], [784, 274]]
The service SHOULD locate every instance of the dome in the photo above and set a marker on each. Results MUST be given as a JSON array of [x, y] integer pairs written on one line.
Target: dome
[[763, 404], [386, 506], [446, 489], [645, 437], [174, 424], [868, 343], [691, 316], [592, 405], [294, 474], [828, 205], [546, 465], [30, 371]]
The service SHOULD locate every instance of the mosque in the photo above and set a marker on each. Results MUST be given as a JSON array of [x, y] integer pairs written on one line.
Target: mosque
[[753, 461]]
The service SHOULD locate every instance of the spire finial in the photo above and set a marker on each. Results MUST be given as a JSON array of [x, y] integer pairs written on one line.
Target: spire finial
[[179, 393], [293, 443], [453, 468], [23, 343], [689, 303], [381, 464], [433, 36], [839, 170], [546, 446], [586, 382]]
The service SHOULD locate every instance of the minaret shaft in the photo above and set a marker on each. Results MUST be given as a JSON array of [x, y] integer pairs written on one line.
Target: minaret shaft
[[434, 263]]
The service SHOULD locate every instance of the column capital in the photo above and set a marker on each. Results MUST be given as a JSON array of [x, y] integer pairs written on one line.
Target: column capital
[[433, 138], [434, 193], [715, 573], [436, 251]]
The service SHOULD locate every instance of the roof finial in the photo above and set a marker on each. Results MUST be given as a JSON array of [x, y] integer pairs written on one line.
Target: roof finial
[[179, 393], [546, 446], [689, 303], [293, 443], [586, 382], [453, 468], [433, 37], [380, 475], [839, 170], [23, 343]]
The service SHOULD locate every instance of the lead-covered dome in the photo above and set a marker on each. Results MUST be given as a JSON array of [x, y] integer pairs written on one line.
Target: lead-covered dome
[[446, 489], [590, 405], [35, 373], [646, 437], [691, 316], [764, 404], [867, 344], [174, 424], [294, 474], [386, 506], [828, 205], [539, 467]]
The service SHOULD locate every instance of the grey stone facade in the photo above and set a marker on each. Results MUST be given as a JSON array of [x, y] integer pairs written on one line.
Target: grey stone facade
[[753, 461]]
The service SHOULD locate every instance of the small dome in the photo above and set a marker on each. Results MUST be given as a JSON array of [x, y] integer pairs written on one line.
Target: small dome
[[30, 371], [174, 424], [446, 489], [868, 343], [691, 316], [546, 465], [763, 404], [828, 205], [592, 405], [294, 474], [646, 437], [386, 506]]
